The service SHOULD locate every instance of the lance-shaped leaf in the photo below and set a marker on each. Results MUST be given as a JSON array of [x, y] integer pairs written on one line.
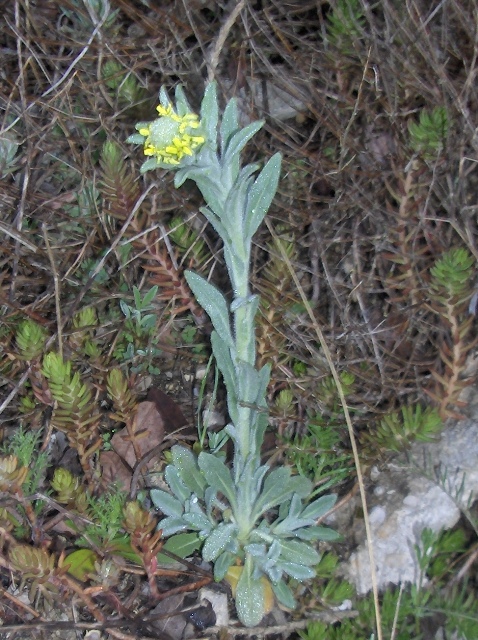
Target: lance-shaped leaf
[[218, 476], [284, 594], [225, 365], [313, 534], [298, 552], [261, 194], [319, 507], [239, 140], [214, 303], [229, 123], [198, 522], [182, 104], [250, 597], [219, 541], [164, 501], [171, 525], [233, 217], [215, 222], [177, 486], [279, 487], [186, 464], [210, 114], [229, 126], [297, 571], [222, 564]]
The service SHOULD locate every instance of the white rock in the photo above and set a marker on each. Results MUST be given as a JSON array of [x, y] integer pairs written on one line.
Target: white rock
[[428, 498]]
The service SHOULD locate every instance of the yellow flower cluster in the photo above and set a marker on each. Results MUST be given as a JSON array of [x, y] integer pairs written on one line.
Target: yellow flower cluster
[[171, 137]]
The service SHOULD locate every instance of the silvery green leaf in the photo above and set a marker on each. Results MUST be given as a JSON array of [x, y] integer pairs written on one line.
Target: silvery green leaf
[[229, 123], [274, 572], [210, 499], [298, 552], [261, 194], [222, 564], [319, 507], [283, 511], [256, 549], [239, 140], [258, 476], [210, 114], [262, 532], [217, 439], [135, 138], [259, 425], [198, 521], [214, 221], [163, 97], [233, 217], [218, 541], [231, 431], [297, 571], [275, 490], [284, 594], [248, 379], [171, 525], [274, 551], [218, 476], [166, 503], [313, 533], [264, 378], [278, 487], [295, 506], [149, 165], [186, 464], [290, 525], [175, 483], [182, 105], [224, 363], [250, 597], [214, 303]]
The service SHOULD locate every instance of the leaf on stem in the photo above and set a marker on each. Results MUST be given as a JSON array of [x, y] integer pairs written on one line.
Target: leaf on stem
[[214, 303], [218, 476], [261, 194], [279, 487], [229, 123], [239, 140], [188, 470], [210, 114]]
